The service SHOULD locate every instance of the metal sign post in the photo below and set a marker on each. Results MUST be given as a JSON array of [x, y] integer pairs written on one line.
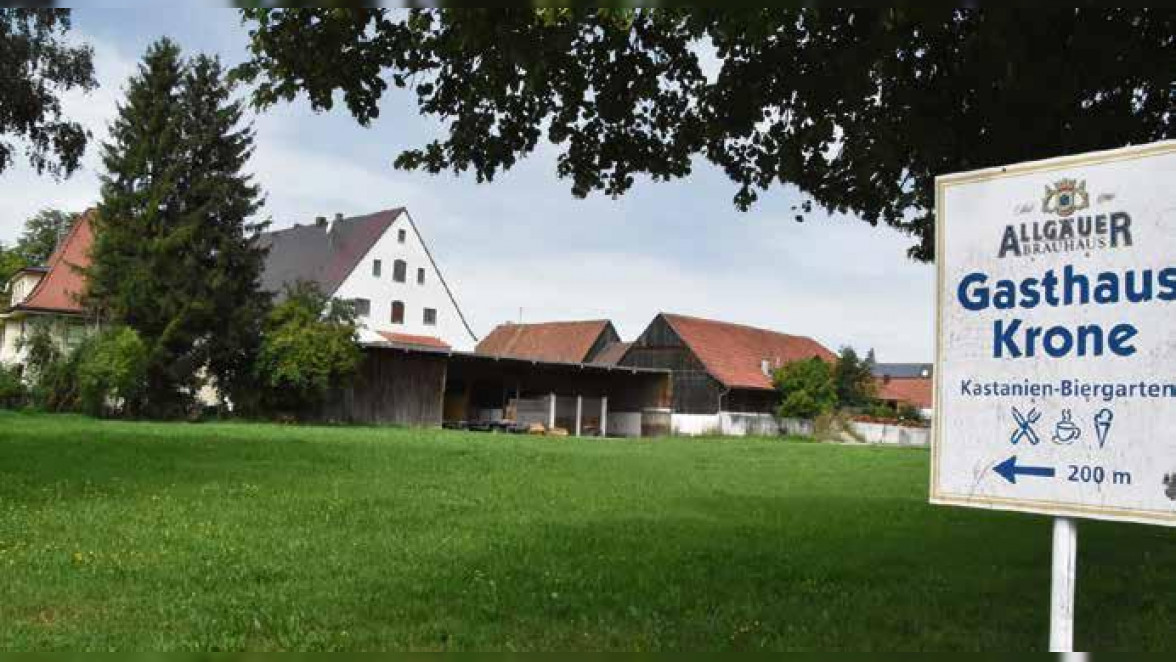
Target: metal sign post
[[1055, 346], [1061, 604]]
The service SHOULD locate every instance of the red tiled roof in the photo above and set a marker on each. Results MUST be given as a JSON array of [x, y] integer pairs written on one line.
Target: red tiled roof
[[409, 339], [612, 353], [59, 290], [733, 353], [567, 342], [911, 390]]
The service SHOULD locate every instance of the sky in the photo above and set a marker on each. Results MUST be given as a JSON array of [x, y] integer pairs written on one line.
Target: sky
[[522, 247]]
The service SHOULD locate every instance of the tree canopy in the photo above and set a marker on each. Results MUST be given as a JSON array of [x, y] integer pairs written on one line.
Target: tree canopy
[[859, 108], [38, 65]]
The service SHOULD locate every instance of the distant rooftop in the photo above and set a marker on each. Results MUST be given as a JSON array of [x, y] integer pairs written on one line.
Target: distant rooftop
[[903, 370]]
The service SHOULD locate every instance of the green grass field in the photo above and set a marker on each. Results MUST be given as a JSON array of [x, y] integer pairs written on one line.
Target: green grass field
[[236, 536]]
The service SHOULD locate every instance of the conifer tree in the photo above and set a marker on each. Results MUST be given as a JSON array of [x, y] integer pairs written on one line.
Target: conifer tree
[[174, 256]]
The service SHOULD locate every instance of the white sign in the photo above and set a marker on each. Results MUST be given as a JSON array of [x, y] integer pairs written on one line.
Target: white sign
[[1056, 359]]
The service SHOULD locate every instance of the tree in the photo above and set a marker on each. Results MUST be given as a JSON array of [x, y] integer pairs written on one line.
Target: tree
[[42, 232], [309, 347], [859, 108], [174, 256], [854, 378], [807, 389], [39, 65], [112, 372]]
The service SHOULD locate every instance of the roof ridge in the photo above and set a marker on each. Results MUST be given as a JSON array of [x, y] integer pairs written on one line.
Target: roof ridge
[[738, 324]]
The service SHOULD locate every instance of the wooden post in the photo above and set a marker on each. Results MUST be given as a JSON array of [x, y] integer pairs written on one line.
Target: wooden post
[[551, 414], [579, 412], [604, 415]]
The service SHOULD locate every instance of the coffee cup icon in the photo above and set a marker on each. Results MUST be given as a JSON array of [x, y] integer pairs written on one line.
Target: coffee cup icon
[[1066, 431]]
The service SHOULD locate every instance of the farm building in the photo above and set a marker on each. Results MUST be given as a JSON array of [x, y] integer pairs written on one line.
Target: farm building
[[381, 263], [722, 372], [906, 384], [588, 341], [413, 383]]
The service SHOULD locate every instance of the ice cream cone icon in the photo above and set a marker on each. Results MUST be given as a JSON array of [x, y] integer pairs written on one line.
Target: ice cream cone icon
[[1102, 425]]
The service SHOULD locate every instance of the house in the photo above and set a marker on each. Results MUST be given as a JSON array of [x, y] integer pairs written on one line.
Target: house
[[722, 372], [906, 384], [48, 296], [587, 341], [379, 262]]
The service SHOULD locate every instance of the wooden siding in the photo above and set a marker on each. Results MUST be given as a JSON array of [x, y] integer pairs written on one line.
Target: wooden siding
[[392, 388], [607, 337], [694, 390]]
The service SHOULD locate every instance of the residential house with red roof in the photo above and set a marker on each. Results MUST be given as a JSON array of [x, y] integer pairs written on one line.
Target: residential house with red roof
[[49, 295], [586, 341], [381, 263], [719, 366]]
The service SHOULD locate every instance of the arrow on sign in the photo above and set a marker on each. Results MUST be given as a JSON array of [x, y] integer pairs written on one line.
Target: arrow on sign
[[1009, 470]]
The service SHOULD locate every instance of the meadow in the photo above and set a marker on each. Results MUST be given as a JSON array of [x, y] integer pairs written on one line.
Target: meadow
[[236, 536]]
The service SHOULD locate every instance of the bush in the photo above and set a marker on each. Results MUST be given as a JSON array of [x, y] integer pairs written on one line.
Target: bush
[[309, 348], [112, 373], [12, 388], [52, 373], [807, 388]]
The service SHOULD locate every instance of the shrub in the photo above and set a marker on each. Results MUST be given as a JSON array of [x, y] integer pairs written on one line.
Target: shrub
[[112, 373], [12, 388], [52, 373], [807, 388], [308, 348]]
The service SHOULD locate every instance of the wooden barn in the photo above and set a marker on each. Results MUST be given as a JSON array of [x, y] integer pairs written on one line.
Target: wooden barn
[[719, 366]]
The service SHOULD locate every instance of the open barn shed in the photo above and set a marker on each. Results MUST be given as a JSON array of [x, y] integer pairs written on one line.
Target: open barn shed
[[413, 385]]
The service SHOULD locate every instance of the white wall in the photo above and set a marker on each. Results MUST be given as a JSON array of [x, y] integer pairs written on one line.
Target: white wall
[[12, 331], [22, 285], [624, 424], [383, 290]]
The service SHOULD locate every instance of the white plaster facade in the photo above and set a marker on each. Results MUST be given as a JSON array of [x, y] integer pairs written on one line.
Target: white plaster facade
[[423, 288]]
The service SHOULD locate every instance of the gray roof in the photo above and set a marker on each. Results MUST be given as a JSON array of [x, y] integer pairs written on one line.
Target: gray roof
[[903, 370], [312, 253]]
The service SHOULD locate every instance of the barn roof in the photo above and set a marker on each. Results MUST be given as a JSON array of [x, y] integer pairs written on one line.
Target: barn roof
[[567, 342], [410, 340], [60, 289], [311, 253], [612, 353], [916, 391], [734, 353]]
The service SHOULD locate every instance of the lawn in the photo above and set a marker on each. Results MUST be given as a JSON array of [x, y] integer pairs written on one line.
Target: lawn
[[239, 536]]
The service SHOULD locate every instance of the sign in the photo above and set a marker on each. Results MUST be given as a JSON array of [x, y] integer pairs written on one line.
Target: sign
[[1055, 371]]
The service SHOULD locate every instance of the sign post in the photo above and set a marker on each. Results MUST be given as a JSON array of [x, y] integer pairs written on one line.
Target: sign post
[[1055, 374]]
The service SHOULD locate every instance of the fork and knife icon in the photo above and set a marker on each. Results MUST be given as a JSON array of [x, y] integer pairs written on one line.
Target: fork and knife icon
[[1025, 426]]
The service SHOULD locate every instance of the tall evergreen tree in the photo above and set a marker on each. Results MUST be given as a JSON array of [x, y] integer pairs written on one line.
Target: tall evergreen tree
[[174, 256]]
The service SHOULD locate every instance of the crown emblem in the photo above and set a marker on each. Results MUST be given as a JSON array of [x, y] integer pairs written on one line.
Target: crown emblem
[[1065, 197]]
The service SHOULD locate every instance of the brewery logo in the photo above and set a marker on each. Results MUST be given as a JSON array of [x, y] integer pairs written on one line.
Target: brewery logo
[[1067, 231], [1065, 197]]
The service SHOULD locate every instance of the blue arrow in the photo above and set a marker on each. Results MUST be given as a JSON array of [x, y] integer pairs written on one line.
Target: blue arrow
[[1009, 470]]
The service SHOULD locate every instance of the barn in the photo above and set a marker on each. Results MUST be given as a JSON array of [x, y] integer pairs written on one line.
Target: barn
[[722, 372]]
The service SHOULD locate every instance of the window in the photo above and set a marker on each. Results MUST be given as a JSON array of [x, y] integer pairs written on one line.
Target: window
[[431, 316], [377, 268], [399, 271], [398, 312], [363, 307], [420, 276], [401, 236]]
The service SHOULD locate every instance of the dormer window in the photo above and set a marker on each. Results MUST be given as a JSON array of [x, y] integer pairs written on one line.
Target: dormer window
[[766, 367]]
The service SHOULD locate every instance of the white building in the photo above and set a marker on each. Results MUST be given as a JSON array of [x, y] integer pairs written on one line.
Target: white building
[[381, 263]]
